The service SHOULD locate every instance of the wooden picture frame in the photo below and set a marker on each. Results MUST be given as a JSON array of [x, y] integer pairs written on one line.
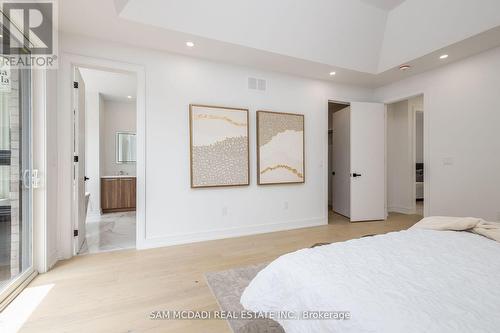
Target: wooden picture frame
[[219, 146], [278, 134]]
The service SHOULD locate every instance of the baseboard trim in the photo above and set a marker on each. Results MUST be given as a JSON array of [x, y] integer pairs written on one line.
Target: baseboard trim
[[402, 210], [229, 233], [52, 259]]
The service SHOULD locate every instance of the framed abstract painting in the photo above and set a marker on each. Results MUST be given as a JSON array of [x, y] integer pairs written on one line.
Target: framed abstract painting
[[280, 148], [219, 147]]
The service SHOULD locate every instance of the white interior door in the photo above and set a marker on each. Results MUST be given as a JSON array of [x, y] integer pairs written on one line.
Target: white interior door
[[79, 162], [341, 196], [367, 125]]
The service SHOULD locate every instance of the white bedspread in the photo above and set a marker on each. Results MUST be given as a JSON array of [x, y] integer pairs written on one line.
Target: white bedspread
[[409, 281]]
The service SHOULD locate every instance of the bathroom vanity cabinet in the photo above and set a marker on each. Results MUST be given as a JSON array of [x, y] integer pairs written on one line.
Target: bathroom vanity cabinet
[[118, 194]]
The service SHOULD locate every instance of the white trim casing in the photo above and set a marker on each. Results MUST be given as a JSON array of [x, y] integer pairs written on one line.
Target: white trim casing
[[337, 100], [65, 152], [39, 142]]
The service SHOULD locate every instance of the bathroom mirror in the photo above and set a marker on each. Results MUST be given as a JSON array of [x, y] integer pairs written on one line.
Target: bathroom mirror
[[125, 147]]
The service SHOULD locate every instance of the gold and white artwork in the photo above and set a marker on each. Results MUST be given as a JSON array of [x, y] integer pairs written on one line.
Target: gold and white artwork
[[219, 146], [280, 147]]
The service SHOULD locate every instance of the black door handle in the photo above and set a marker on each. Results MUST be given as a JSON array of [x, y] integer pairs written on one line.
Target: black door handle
[[85, 178], [333, 173], [356, 175]]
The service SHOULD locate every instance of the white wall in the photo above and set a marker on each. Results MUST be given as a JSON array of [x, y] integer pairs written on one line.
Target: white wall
[[400, 185], [117, 117], [461, 138], [175, 212], [92, 151]]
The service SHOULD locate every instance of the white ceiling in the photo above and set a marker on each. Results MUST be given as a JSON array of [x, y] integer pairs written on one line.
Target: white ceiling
[[348, 34], [364, 44], [112, 86], [384, 4]]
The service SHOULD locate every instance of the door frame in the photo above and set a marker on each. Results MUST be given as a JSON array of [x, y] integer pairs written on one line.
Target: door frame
[[326, 151], [427, 141], [66, 135], [413, 144], [427, 179], [34, 103], [78, 166], [42, 258]]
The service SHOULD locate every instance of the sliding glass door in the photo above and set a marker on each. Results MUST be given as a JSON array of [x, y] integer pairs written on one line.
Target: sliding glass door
[[16, 229]]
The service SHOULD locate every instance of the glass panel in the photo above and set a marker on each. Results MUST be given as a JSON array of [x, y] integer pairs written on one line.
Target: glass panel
[[125, 148], [15, 165]]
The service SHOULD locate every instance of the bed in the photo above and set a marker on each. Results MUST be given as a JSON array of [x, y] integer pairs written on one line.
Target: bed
[[430, 278]]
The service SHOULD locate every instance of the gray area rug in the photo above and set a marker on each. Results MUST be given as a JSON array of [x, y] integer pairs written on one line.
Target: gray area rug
[[227, 287]]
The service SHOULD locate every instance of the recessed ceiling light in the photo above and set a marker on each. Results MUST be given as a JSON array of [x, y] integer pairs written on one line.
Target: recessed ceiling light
[[404, 67], [444, 56], [332, 73], [129, 97], [189, 44]]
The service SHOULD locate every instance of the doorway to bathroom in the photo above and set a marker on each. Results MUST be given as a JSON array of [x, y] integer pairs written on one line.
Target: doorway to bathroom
[[105, 157]]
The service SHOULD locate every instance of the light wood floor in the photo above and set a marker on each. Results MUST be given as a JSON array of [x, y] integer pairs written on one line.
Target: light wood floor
[[116, 291]]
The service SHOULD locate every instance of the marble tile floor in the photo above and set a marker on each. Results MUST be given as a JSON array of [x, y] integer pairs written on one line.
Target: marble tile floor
[[110, 232]]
